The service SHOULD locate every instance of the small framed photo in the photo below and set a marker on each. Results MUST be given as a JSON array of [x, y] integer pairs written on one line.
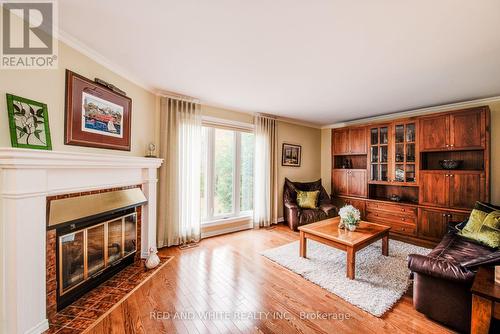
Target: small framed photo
[[291, 155], [28, 123], [96, 116]]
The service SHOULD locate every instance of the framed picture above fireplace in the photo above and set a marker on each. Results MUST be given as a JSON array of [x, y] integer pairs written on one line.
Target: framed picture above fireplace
[[96, 116]]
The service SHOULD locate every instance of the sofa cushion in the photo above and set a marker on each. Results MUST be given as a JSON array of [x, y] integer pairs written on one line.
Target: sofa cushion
[[307, 199], [308, 216], [304, 186], [455, 249]]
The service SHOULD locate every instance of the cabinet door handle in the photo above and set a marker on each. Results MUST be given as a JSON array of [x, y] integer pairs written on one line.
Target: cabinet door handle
[[447, 145], [451, 145], [451, 175], [402, 219], [444, 214]]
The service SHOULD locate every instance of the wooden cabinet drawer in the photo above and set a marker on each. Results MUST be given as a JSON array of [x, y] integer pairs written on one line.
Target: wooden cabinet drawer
[[404, 225], [403, 229], [392, 208], [389, 217]]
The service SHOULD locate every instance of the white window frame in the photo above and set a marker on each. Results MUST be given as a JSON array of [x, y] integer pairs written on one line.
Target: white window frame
[[211, 124]]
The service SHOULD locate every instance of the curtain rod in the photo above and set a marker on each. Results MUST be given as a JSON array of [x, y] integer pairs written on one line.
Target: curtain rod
[[177, 96], [267, 116]]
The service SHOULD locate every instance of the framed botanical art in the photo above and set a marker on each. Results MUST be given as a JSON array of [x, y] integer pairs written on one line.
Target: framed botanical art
[[291, 155], [96, 116], [28, 123]]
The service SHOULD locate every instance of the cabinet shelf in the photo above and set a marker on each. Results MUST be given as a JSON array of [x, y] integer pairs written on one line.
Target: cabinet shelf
[[393, 183]]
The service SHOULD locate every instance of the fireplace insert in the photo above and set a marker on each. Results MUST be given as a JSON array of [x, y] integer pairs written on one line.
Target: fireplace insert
[[90, 252]]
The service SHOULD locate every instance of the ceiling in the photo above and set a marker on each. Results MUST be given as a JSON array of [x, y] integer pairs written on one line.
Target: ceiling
[[318, 61]]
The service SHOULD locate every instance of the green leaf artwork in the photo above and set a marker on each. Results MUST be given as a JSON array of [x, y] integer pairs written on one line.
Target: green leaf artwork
[[29, 123]]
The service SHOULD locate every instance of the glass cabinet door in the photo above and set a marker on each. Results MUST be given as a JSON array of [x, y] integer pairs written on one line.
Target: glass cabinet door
[[404, 152], [379, 153]]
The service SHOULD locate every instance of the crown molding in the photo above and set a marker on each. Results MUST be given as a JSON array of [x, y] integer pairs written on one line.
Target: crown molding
[[81, 47], [416, 112]]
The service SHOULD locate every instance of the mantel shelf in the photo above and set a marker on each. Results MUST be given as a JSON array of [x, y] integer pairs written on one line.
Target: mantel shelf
[[26, 158]]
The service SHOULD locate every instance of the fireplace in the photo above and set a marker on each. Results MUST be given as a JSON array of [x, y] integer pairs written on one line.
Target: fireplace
[[96, 236]]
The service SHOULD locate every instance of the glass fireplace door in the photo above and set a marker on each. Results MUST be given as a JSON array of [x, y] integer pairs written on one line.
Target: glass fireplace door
[[95, 249], [130, 234], [115, 240], [72, 270], [86, 253]]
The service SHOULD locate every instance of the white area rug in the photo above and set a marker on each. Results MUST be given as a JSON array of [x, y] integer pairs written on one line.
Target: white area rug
[[380, 281]]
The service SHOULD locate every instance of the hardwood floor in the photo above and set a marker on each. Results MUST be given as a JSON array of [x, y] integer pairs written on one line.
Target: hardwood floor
[[227, 274]]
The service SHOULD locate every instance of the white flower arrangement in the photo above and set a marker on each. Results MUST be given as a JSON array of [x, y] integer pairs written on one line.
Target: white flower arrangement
[[349, 217]]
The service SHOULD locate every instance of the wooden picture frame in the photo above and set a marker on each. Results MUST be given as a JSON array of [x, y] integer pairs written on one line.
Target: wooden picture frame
[[95, 115], [28, 123], [291, 155]]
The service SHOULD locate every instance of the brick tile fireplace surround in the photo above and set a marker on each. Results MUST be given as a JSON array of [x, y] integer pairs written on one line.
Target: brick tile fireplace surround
[[29, 180]]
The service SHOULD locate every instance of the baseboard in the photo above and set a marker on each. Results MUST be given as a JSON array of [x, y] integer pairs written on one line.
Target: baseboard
[[40, 328], [227, 230]]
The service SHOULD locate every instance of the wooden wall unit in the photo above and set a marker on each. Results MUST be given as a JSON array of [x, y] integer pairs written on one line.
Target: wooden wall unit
[[401, 158], [350, 140]]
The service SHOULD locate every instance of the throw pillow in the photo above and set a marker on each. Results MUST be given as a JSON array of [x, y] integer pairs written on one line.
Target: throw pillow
[[475, 221], [307, 199], [487, 232]]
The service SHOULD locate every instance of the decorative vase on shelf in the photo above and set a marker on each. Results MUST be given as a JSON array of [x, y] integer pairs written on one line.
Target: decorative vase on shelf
[[349, 217]]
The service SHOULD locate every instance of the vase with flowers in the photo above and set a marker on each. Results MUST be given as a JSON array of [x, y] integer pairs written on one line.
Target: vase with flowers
[[349, 217]]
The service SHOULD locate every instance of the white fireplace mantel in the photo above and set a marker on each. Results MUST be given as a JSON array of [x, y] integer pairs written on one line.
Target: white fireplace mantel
[[27, 177]]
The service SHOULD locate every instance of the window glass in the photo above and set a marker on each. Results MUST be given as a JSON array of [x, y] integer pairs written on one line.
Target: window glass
[[226, 179], [224, 171]]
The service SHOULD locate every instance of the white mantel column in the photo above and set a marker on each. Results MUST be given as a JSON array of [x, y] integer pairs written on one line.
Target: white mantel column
[[148, 228], [23, 230]]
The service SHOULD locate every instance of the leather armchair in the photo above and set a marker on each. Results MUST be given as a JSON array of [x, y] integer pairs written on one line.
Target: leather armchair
[[442, 279], [295, 216]]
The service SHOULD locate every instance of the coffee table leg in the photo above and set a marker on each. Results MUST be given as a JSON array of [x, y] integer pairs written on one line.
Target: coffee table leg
[[351, 263], [482, 310], [303, 244], [385, 245]]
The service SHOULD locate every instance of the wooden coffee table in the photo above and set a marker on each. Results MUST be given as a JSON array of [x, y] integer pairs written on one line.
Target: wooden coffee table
[[328, 233]]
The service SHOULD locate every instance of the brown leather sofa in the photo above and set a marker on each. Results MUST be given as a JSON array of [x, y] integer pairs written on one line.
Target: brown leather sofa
[[442, 280], [295, 216]]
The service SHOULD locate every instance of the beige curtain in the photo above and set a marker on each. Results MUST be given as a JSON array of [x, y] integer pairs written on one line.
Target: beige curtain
[[265, 172], [179, 219]]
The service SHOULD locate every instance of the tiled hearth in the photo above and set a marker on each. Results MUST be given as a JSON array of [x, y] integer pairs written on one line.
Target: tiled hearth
[[87, 310]]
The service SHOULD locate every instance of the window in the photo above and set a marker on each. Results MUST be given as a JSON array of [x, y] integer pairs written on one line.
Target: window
[[227, 173]]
